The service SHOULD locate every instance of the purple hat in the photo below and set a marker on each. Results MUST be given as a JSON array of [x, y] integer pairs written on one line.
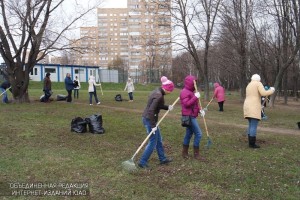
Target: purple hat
[[167, 84]]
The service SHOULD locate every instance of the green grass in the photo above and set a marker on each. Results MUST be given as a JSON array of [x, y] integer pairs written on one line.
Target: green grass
[[38, 146]]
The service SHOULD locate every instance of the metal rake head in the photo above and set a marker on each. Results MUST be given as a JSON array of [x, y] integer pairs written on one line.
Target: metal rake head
[[129, 166], [209, 143]]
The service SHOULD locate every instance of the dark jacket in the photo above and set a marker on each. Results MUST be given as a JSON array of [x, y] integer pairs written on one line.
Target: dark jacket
[[47, 83], [5, 85], [156, 102], [69, 83]]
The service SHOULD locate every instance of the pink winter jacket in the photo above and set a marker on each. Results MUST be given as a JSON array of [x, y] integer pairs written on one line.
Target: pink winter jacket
[[219, 92], [189, 102]]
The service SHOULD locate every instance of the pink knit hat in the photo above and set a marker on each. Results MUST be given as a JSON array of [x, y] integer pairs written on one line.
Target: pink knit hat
[[167, 84]]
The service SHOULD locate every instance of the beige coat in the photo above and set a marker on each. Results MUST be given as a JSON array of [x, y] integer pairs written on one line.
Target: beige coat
[[252, 105], [92, 83]]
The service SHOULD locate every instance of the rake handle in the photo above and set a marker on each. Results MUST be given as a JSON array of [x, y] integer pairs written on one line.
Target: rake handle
[[143, 143], [205, 125], [101, 89], [5, 91], [210, 102]]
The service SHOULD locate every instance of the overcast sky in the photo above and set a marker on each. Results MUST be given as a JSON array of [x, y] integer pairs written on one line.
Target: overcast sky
[[91, 18]]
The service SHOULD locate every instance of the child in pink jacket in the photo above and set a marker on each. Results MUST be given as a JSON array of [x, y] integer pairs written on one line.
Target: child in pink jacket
[[219, 94]]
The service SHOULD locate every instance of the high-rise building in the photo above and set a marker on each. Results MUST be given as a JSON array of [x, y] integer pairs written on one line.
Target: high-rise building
[[139, 36], [113, 35], [86, 49]]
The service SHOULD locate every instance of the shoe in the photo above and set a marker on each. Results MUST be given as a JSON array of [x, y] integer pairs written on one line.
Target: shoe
[[91, 104], [143, 166], [98, 103], [166, 161]]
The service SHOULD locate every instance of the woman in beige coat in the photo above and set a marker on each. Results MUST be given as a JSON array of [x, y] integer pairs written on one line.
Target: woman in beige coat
[[92, 90], [252, 106]]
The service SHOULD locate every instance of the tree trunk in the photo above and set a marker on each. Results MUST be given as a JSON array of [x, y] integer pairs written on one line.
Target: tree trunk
[[284, 87], [205, 69], [19, 81]]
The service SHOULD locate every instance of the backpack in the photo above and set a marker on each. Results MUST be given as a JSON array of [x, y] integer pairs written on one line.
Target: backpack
[[78, 125], [118, 97]]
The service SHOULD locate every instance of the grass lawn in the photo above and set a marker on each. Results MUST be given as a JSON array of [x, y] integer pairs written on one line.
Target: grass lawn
[[37, 146]]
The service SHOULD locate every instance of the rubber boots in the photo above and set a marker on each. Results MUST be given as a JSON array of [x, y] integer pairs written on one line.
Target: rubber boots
[[252, 140], [196, 154], [185, 151]]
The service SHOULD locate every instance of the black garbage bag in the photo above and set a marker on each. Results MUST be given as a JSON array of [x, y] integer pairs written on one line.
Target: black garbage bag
[[42, 98], [78, 125], [61, 97], [95, 124], [118, 97]]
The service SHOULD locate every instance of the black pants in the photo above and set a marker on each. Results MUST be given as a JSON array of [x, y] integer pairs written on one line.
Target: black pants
[[76, 93], [221, 103], [69, 97], [47, 95]]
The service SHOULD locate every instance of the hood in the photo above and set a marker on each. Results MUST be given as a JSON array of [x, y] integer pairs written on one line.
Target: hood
[[189, 82], [216, 85]]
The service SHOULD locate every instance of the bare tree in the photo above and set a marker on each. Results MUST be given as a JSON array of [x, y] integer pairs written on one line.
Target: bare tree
[[236, 17], [287, 15], [195, 21], [206, 13], [27, 36], [183, 14]]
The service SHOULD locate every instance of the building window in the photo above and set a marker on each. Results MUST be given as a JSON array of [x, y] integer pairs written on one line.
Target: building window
[[50, 70]]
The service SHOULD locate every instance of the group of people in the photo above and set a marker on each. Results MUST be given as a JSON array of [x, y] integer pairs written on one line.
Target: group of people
[[189, 100], [71, 85], [75, 85]]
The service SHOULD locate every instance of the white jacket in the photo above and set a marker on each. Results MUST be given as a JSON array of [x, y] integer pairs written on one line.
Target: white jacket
[[129, 86], [92, 82]]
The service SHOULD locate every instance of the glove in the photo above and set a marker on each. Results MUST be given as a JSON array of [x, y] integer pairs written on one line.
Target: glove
[[197, 94], [170, 107], [202, 113], [272, 88], [153, 130]]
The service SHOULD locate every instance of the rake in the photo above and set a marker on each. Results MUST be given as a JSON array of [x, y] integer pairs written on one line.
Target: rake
[[208, 104], [129, 165], [5, 91], [209, 142], [100, 81]]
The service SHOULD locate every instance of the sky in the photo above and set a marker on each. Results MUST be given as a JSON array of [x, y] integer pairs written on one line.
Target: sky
[[91, 18]]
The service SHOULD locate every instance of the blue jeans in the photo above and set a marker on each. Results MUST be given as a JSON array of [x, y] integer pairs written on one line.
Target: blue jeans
[[155, 141], [194, 128], [130, 95], [91, 97], [4, 95], [252, 128]]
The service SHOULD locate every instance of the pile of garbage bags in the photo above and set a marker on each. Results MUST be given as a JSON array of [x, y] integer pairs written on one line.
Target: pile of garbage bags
[[93, 124]]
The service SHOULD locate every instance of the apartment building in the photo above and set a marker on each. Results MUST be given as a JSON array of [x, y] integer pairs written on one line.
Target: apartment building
[[113, 35], [139, 35], [86, 49]]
